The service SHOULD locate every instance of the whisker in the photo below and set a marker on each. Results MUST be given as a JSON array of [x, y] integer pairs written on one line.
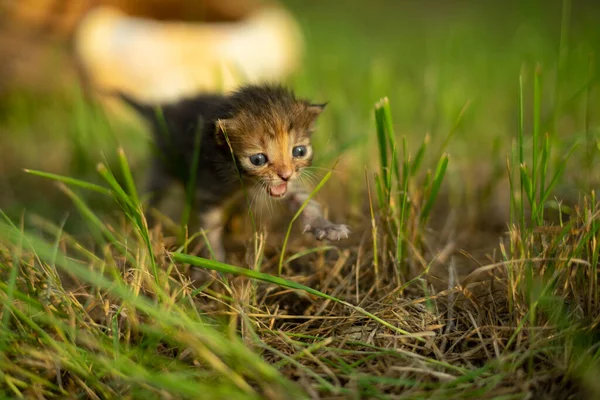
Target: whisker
[[308, 177], [271, 206], [312, 174], [268, 203], [257, 201], [254, 194], [303, 181], [319, 168], [259, 194]]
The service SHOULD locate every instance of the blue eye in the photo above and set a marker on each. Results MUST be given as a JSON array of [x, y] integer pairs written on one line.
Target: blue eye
[[299, 151], [258, 159]]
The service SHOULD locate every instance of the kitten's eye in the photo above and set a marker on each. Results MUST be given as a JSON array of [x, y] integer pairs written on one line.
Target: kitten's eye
[[258, 159], [299, 151]]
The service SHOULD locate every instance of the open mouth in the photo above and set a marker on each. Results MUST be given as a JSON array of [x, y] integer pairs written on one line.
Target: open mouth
[[278, 190]]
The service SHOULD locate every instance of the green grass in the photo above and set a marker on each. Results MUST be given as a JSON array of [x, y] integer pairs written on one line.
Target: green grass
[[467, 140]]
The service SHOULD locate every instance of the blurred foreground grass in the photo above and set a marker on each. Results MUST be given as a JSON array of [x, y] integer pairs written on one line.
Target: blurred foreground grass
[[487, 261]]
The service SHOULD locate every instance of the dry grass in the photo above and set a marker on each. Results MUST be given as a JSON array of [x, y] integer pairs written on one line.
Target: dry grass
[[525, 326]]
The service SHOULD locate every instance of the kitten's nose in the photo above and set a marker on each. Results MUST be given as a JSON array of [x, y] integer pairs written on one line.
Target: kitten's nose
[[285, 174]]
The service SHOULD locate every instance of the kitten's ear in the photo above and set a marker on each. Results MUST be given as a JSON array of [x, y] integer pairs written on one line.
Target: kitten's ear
[[316, 109], [312, 113], [223, 127]]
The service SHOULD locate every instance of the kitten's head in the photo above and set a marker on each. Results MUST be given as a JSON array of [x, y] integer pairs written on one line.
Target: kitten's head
[[270, 135]]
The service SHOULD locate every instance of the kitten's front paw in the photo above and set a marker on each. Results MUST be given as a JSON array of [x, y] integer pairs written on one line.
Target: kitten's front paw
[[329, 231]]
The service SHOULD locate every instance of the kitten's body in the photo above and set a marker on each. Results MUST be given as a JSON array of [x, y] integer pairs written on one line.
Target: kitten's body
[[267, 129], [175, 134]]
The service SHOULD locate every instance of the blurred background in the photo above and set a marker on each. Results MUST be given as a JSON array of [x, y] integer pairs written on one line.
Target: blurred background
[[447, 66]]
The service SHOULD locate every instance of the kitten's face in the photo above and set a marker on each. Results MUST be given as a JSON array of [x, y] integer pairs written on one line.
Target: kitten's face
[[272, 148]]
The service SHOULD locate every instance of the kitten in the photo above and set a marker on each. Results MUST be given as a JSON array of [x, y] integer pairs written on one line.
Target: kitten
[[261, 133]]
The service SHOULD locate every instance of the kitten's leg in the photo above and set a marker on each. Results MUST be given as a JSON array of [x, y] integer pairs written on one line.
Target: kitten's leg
[[212, 222], [314, 221]]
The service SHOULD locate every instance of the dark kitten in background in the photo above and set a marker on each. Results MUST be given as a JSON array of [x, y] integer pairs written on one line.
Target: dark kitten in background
[[264, 132]]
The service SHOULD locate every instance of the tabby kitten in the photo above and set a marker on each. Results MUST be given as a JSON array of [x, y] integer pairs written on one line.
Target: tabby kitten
[[262, 133]]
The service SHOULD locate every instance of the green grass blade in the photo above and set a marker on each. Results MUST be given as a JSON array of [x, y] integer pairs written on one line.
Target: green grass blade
[[537, 107], [382, 142], [118, 193], [543, 172], [190, 189], [557, 174], [373, 229], [309, 251], [386, 118], [71, 181], [514, 204], [528, 187], [129, 182], [390, 178], [454, 129], [385, 133], [299, 212], [403, 198], [380, 192], [521, 137], [134, 213], [519, 206], [163, 124], [435, 187]]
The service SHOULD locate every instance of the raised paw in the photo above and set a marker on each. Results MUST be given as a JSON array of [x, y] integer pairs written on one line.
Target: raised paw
[[333, 232]]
